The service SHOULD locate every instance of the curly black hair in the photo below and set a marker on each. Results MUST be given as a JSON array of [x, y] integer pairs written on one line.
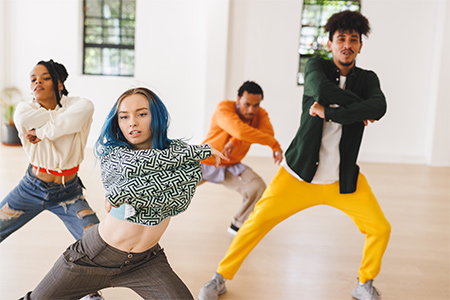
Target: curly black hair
[[348, 21]]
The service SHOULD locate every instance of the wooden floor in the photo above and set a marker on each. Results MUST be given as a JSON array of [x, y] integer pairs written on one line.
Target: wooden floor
[[314, 255]]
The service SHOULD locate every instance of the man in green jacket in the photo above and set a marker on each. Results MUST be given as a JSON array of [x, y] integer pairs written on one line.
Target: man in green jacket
[[320, 164]]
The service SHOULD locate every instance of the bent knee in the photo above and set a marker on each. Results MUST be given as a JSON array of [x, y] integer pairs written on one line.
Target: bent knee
[[382, 229], [385, 228], [255, 185]]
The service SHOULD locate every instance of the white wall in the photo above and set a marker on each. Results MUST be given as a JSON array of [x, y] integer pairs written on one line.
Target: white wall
[[439, 124], [263, 47], [405, 49], [2, 43], [180, 52], [194, 53]]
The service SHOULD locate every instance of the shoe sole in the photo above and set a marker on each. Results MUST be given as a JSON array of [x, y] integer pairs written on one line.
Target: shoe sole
[[223, 291], [231, 231]]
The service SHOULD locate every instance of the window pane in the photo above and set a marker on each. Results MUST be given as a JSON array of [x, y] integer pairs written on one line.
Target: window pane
[[311, 15], [111, 60], [111, 23], [93, 39], [112, 40], [93, 31], [111, 9], [127, 62], [112, 31], [127, 27], [129, 9], [92, 22], [92, 61], [93, 8], [127, 32], [128, 41]]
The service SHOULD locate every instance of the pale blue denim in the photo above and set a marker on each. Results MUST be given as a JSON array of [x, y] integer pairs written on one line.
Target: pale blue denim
[[32, 196]]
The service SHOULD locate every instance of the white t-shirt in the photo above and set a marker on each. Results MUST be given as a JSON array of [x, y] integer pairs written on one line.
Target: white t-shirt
[[329, 155]]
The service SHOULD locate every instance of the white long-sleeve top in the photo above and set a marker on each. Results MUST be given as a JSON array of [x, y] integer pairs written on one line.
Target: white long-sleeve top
[[63, 132]]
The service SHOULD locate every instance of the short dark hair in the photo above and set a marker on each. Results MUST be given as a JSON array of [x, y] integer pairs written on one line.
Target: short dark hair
[[58, 73], [250, 87], [347, 21]]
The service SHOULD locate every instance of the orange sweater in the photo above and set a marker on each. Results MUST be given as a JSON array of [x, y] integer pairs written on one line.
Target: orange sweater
[[226, 124]]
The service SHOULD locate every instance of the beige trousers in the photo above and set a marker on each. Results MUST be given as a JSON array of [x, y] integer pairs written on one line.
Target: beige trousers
[[250, 186]]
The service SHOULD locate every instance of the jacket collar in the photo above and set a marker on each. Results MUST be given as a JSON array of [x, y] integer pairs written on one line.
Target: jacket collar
[[352, 71]]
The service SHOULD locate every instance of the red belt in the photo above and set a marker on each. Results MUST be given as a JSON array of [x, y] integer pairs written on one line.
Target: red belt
[[59, 173]]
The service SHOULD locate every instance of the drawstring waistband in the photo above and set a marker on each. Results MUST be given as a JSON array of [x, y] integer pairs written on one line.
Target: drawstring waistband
[[62, 173]]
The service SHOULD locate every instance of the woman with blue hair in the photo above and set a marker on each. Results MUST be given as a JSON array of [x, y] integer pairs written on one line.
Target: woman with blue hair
[[148, 178]]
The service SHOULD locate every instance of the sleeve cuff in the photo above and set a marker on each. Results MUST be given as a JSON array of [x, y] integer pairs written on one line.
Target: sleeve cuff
[[328, 111], [39, 133]]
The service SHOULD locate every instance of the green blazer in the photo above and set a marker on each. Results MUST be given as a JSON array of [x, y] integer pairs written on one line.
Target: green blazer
[[361, 100]]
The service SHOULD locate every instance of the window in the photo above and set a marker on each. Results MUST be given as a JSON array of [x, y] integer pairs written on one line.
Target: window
[[108, 44], [313, 39]]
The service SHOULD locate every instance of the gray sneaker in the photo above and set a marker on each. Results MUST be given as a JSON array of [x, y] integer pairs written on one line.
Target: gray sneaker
[[213, 288], [366, 291]]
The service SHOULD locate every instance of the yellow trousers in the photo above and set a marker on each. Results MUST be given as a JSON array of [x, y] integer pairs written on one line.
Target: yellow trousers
[[287, 195]]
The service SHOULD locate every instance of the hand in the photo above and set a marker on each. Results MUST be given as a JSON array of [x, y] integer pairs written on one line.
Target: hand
[[278, 156], [107, 206], [31, 136], [317, 110], [229, 146], [217, 156], [366, 122]]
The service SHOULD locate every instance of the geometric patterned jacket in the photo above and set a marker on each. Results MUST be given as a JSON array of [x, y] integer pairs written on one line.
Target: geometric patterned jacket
[[157, 183]]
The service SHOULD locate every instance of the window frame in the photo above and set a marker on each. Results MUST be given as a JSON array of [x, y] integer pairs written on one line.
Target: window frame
[[102, 46]]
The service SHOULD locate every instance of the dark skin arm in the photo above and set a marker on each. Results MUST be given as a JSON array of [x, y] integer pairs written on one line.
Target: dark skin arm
[[31, 136]]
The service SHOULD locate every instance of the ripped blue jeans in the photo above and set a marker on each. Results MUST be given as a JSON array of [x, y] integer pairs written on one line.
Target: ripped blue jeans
[[32, 196]]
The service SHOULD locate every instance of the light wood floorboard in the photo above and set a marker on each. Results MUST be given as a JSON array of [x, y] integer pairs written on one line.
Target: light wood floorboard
[[313, 255]]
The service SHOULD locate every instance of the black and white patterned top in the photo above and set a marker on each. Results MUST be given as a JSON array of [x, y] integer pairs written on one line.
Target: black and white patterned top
[[157, 183]]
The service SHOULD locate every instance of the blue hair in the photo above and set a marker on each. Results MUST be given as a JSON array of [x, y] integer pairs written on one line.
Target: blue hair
[[112, 136]]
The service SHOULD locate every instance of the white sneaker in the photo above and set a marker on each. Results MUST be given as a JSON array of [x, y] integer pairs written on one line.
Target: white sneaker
[[233, 229], [213, 288], [366, 291]]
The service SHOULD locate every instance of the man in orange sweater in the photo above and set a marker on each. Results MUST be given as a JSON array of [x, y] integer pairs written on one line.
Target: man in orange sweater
[[235, 125]]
